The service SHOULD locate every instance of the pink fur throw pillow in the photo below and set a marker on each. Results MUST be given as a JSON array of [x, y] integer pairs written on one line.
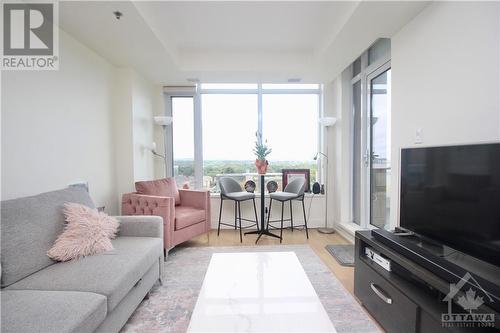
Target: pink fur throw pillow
[[86, 233]]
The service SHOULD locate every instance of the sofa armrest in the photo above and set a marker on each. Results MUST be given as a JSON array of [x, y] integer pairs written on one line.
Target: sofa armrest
[[140, 226], [195, 198]]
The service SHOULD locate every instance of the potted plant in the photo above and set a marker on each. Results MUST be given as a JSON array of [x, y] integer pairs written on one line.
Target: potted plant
[[261, 151]]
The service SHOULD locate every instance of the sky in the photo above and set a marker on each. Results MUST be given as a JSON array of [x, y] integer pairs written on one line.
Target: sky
[[230, 121]]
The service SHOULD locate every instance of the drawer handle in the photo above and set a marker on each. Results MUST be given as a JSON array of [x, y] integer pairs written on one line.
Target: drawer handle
[[380, 294]]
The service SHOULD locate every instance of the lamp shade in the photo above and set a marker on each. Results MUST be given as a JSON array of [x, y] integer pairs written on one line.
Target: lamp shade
[[327, 121], [162, 120]]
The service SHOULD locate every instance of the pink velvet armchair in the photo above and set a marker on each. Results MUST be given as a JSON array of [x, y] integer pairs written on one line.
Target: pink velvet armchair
[[186, 213]]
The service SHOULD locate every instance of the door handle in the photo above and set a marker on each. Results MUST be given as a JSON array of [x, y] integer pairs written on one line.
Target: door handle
[[366, 158], [380, 293]]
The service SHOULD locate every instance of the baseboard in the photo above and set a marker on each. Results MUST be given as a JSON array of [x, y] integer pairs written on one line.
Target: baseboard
[[347, 234]]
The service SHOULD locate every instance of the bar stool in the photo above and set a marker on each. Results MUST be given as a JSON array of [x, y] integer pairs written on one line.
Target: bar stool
[[231, 190], [294, 190]]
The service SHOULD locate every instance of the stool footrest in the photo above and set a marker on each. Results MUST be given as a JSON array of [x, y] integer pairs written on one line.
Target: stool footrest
[[232, 225]]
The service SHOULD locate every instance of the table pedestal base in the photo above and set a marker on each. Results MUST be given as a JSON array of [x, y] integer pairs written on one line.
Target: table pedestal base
[[263, 229], [264, 232]]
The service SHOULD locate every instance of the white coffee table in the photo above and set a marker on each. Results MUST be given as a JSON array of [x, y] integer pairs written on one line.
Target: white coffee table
[[258, 292]]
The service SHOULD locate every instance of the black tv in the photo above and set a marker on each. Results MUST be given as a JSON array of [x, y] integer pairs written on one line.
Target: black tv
[[451, 195]]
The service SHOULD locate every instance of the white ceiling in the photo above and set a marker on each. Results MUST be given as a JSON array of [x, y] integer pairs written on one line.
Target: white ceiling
[[234, 41], [245, 26]]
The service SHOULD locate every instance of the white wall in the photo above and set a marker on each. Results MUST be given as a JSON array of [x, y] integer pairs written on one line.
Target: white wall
[[445, 79], [123, 134], [89, 121], [338, 145], [135, 104], [332, 146], [56, 126], [142, 119], [159, 110]]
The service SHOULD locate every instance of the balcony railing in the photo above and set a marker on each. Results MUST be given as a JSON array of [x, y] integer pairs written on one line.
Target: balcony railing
[[242, 178]]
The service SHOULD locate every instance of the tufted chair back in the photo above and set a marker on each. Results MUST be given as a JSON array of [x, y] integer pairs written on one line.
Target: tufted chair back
[[138, 205]]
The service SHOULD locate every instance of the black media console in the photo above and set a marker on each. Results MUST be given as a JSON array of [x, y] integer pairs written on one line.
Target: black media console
[[414, 294]]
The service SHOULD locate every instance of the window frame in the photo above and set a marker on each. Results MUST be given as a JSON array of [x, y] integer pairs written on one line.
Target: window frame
[[197, 91], [184, 92]]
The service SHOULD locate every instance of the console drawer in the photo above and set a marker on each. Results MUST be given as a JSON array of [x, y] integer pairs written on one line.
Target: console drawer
[[392, 309]]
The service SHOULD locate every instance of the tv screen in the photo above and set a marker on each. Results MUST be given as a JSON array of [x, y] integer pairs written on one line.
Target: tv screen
[[452, 195]]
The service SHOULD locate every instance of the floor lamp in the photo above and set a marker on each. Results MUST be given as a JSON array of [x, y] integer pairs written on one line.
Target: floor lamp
[[326, 122], [162, 121]]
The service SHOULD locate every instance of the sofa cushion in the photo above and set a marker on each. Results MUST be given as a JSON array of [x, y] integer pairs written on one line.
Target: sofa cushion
[[51, 311], [166, 187], [112, 274], [186, 216], [29, 227]]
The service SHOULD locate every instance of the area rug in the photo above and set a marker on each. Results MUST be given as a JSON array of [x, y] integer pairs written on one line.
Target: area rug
[[343, 253], [170, 305]]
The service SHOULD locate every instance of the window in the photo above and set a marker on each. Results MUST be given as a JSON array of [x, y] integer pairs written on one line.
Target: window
[[229, 127], [183, 140], [228, 86], [379, 50], [231, 115], [356, 67], [290, 125], [289, 86], [289, 115]]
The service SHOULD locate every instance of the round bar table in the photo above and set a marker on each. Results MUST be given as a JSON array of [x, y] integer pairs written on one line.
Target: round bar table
[[263, 227]]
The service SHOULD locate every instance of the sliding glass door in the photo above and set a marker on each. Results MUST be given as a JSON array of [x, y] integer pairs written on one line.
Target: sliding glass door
[[370, 123], [357, 149], [379, 161]]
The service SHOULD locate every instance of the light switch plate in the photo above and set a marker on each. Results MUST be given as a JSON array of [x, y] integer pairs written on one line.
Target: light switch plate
[[419, 135]]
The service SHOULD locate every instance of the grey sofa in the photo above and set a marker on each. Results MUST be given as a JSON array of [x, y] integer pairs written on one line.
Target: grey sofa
[[93, 294]]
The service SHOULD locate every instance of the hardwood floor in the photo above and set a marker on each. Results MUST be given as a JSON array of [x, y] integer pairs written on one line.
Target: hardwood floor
[[317, 242]]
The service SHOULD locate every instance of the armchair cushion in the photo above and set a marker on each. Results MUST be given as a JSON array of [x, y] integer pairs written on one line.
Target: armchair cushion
[[186, 216], [161, 187]]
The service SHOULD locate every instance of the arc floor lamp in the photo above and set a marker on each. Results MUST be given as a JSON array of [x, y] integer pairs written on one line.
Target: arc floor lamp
[[162, 121]]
